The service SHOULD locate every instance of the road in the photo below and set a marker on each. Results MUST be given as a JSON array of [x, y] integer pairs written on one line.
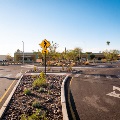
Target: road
[[96, 93], [9, 76]]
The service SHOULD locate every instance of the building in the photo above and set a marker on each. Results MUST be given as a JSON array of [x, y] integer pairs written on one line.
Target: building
[[3, 57], [29, 57], [98, 56]]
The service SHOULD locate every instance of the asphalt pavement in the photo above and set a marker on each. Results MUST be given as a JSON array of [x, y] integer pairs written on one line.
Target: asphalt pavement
[[96, 93], [9, 76]]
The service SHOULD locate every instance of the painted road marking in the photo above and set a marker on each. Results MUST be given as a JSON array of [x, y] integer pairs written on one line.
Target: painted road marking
[[8, 75], [116, 88], [114, 94], [6, 91]]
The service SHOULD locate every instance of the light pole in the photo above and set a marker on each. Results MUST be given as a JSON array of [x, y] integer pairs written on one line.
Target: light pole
[[23, 52]]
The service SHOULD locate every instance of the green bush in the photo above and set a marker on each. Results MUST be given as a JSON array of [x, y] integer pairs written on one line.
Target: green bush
[[35, 68], [42, 75], [23, 117], [27, 91], [36, 104], [38, 115], [39, 82]]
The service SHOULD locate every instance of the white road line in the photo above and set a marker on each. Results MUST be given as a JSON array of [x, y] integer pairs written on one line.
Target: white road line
[[116, 88], [114, 94], [8, 75]]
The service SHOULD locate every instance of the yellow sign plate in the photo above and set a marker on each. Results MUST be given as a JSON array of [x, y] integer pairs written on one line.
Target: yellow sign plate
[[45, 44], [43, 51]]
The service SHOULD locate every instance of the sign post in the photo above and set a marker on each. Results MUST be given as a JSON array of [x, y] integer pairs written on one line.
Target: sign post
[[45, 62], [45, 44]]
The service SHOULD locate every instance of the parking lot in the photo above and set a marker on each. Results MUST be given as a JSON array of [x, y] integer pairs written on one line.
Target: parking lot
[[96, 92], [9, 76]]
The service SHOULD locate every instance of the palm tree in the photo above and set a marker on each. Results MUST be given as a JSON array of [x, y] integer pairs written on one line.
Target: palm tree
[[108, 43]]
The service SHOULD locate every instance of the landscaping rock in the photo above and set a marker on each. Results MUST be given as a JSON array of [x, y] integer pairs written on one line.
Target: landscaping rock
[[49, 99]]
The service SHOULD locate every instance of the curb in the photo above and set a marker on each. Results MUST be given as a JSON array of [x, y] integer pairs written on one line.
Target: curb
[[63, 101], [2, 110]]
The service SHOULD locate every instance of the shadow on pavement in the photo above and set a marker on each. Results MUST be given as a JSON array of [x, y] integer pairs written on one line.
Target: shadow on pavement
[[70, 104], [74, 107]]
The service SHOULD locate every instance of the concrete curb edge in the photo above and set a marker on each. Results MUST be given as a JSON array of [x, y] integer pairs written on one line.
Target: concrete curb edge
[[63, 101]]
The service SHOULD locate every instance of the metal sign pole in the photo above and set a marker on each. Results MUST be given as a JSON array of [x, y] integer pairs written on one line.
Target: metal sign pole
[[45, 62]]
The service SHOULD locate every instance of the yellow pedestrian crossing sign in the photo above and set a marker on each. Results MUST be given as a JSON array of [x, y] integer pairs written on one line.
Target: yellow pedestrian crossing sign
[[45, 51], [45, 44]]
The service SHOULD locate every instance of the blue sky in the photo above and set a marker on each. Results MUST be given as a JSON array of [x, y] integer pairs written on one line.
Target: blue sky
[[87, 24]]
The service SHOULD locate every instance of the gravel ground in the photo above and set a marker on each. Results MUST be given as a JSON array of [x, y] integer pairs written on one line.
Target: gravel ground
[[49, 99]]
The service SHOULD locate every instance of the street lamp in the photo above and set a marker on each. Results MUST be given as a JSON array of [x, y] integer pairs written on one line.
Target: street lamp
[[23, 52]]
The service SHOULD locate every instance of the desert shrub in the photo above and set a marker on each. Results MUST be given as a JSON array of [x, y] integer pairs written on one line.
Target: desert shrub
[[27, 91], [35, 68], [38, 115], [36, 104], [23, 117], [39, 82], [42, 75]]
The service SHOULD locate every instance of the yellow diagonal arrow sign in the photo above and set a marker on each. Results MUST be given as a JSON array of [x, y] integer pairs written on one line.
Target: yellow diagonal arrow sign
[[44, 44]]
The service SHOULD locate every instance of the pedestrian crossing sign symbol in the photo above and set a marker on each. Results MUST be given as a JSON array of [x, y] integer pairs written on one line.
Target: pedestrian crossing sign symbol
[[45, 44]]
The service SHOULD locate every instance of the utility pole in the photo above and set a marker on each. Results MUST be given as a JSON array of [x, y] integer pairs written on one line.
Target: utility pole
[[23, 52]]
